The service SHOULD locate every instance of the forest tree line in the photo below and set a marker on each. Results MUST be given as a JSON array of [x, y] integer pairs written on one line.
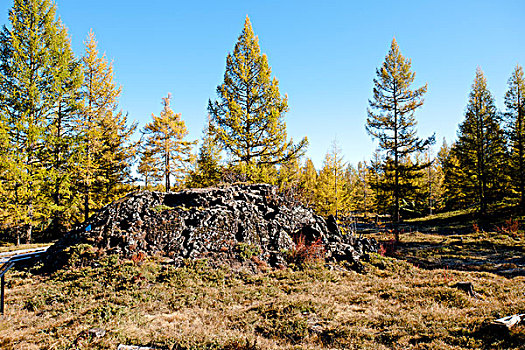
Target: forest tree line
[[67, 148]]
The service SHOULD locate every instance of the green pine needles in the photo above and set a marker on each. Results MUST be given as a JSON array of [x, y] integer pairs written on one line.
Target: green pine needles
[[391, 120], [248, 117]]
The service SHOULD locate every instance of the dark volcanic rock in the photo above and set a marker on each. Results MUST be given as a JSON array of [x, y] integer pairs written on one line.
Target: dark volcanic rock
[[210, 222]]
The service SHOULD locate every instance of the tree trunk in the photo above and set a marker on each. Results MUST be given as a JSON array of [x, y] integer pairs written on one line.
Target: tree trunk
[[396, 172]]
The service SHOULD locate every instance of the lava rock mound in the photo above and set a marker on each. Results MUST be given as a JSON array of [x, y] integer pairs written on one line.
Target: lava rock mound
[[210, 223]]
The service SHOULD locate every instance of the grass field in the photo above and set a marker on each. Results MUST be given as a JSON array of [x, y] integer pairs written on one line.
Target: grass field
[[392, 305]]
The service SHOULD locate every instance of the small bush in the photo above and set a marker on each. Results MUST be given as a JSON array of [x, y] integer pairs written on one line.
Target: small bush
[[305, 255], [246, 250], [80, 255], [511, 228]]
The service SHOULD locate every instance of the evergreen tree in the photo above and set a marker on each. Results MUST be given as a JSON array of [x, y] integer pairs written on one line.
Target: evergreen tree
[[308, 183], [331, 196], [99, 103], [480, 148], [289, 179], [61, 135], [360, 192], [515, 127], [114, 157], [382, 198], [166, 146], [150, 173], [391, 120], [38, 79], [248, 118], [454, 194], [209, 170], [434, 178]]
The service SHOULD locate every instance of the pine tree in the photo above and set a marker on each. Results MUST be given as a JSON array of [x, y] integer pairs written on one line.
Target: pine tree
[[289, 179], [308, 183], [37, 79], [480, 148], [360, 192], [382, 199], [95, 125], [208, 171], [150, 173], [114, 157], [331, 196], [248, 118], [61, 135], [166, 146], [515, 127], [434, 178], [454, 194], [391, 120]]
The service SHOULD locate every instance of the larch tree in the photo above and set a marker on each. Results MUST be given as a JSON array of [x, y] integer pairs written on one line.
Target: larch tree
[[391, 120], [61, 135], [165, 144], [150, 174], [480, 148], [37, 77], [99, 102], [330, 193], [360, 192], [115, 157], [208, 170], [289, 179], [515, 128], [248, 117], [308, 183]]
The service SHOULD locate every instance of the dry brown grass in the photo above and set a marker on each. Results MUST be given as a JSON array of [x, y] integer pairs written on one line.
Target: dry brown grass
[[393, 305]]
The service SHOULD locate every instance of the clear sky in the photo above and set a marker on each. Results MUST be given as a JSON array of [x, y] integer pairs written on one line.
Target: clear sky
[[324, 54]]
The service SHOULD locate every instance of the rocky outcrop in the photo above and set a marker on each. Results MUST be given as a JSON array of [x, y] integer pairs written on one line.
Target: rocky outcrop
[[211, 222]]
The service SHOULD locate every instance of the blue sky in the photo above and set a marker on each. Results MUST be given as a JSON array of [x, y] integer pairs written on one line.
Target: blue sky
[[324, 54]]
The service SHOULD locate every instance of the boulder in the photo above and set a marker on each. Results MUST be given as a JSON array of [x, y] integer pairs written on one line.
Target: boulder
[[210, 223]]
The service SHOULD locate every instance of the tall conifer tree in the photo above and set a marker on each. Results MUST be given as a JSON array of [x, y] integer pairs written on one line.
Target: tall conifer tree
[[248, 117], [515, 127], [391, 120], [480, 148], [166, 146], [61, 135], [98, 122], [308, 183], [37, 77], [331, 197], [115, 157]]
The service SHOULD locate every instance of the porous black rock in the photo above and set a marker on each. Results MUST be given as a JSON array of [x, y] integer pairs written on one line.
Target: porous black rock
[[210, 223]]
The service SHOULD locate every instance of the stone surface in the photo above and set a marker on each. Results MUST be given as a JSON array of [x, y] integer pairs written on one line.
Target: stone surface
[[213, 223]]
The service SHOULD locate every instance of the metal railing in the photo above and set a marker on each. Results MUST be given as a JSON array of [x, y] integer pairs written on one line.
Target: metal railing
[[9, 260]]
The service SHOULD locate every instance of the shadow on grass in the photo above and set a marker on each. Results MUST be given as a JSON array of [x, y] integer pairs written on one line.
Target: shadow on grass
[[493, 337]]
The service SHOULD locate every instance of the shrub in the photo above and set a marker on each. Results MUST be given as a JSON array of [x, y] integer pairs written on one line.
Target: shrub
[[305, 255], [79, 255], [511, 228], [246, 250]]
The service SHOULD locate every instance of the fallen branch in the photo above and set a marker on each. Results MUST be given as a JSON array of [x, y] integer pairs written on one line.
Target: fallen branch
[[508, 321]]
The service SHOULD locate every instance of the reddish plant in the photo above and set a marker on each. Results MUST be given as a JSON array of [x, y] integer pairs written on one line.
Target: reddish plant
[[138, 258], [388, 248], [306, 253], [511, 227]]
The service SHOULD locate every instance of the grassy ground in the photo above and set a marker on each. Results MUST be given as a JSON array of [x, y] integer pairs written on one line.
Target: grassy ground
[[495, 252], [392, 305]]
